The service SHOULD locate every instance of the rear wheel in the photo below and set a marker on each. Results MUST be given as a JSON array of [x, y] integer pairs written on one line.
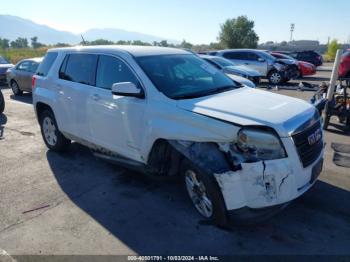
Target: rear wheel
[[204, 193], [15, 88], [52, 136], [2, 103], [275, 77]]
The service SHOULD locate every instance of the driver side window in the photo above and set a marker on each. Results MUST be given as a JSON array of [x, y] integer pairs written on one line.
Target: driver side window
[[111, 70]]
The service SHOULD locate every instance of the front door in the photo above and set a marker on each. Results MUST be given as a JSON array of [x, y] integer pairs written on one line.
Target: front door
[[116, 122]]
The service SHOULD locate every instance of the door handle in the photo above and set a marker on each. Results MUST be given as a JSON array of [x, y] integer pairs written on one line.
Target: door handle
[[95, 97]]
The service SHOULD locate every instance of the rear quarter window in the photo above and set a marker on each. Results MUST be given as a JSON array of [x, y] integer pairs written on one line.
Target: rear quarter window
[[79, 68], [47, 63]]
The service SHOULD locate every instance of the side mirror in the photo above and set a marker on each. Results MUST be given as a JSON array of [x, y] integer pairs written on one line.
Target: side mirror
[[127, 89], [261, 60]]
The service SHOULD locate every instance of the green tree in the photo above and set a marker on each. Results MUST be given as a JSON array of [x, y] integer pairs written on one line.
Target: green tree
[[4, 43], [333, 46], [186, 45], [20, 42], [35, 44], [238, 33]]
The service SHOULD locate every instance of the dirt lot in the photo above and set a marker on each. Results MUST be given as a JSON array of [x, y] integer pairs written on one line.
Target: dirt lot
[[91, 207]]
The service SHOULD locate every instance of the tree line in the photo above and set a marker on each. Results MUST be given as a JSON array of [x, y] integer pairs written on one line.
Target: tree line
[[234, 33]]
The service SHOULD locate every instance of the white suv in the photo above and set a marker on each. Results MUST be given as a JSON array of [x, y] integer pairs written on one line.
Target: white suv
[[242, 152]]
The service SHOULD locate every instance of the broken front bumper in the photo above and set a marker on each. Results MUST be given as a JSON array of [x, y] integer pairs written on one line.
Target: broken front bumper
[[268, 183]]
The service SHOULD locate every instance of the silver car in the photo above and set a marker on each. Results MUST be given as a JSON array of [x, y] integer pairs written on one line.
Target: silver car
[[19, 78], [269, 67], [230, 68]]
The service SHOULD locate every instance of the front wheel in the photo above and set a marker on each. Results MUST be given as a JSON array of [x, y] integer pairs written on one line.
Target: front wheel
[[52, 136], [205, 194], [275, 77]]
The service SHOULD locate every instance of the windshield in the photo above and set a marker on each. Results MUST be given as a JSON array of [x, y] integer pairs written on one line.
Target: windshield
[[184, 76], [223, 62], [3, 60]]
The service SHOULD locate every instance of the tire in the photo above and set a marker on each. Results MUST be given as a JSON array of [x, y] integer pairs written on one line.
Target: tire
[[53, 138], [15, 88], [300, 74], [2, 103], [275, 77], [208, 188]]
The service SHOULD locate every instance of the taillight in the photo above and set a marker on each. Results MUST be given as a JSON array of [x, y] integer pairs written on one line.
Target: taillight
[[33, 82]]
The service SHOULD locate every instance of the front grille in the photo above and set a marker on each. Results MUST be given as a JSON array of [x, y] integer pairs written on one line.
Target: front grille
[[308, 153]]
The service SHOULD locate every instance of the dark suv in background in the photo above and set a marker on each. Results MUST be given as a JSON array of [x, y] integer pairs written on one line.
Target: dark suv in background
[[308, 56]]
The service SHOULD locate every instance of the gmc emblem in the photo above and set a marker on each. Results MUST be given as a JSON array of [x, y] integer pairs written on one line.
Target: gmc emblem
[[315, 137]]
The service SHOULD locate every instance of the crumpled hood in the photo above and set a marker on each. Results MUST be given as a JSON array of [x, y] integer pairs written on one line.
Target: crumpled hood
[[247, 106], [243, 70]]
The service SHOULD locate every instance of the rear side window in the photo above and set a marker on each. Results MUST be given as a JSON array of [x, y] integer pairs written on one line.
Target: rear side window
[[233, 55], [79, 68], [47, 63], [112, 70], [24, 66]]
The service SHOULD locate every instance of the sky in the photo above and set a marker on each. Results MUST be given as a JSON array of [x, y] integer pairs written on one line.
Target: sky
[[196, 21]]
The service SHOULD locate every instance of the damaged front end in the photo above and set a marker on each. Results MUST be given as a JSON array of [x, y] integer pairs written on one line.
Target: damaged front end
[[252, 171]]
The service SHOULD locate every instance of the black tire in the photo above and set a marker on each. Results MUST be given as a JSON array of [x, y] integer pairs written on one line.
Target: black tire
[[213, 191], [275, 77], [300, 74], [2, 103], [60, 144], [16, 89]]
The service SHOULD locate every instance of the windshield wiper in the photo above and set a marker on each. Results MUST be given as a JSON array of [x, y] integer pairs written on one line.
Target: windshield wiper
[[206, 93]]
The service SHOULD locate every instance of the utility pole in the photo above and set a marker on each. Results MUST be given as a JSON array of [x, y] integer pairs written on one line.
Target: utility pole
[[292, 28]]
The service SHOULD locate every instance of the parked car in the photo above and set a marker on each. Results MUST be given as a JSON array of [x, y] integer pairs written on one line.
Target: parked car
[[230, 68], [312, 57], [275, 70], [242, 152], [2, 102], [4, 66], [344, 67], [304, 68], [19, 78]]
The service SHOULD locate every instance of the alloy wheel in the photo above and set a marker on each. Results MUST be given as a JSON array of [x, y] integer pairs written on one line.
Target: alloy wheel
[[198, 194]]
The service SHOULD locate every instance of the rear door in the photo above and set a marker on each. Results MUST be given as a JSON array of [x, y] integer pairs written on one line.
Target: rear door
[[76, 78], [22, 71], [115, 122], [27, 76]]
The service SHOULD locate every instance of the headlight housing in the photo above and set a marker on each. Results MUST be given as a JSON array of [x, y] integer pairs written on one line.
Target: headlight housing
[[256, 145]]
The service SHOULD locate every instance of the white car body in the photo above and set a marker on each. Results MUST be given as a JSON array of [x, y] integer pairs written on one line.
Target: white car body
[[130, 127]]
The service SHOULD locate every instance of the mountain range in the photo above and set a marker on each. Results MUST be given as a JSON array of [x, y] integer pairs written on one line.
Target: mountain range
[[12, 27]]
